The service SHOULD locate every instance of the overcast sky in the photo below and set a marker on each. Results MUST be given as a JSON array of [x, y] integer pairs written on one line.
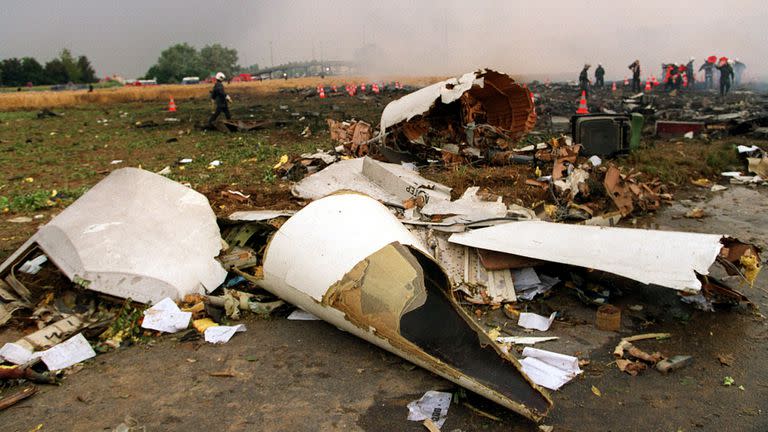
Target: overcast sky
[[413, 36]]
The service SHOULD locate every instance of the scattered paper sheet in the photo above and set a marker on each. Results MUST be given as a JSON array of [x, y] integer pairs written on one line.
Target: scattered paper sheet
[[536, 322], [528, 284], [165, 316], [525, 340], [222, 334], [433, 405], [745, 149], [65, 354], [15, 354], [302, 315], [549, 369]]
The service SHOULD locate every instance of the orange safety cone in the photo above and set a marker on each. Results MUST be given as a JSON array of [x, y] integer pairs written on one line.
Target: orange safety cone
[[333, 88], [322, 92], [375, 88], [362, 87], [171, 105], [626, 81], [613, 87], [397, 85], [583, 104], [647, 85], [655, 81]]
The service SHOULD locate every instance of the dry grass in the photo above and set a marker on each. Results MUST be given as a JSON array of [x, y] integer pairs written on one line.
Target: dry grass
[[69, 98]]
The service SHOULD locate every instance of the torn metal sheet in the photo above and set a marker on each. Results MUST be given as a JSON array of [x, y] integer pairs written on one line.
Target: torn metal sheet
[[381, 285], [464, 117], [466, 271], [470, 207], [389, 183], [134, 235], [420, 101], [669, 259]]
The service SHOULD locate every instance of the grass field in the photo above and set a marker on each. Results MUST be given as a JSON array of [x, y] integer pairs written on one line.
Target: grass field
[[27, 100]]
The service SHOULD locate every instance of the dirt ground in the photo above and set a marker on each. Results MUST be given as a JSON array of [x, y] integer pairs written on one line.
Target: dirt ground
[[309, 376]]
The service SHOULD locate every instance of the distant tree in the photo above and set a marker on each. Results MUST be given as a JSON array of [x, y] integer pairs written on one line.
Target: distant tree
[[32, 70], [13, 75], [217, 58], [175, 63], [87, 74], [70, 64], [56, 72]]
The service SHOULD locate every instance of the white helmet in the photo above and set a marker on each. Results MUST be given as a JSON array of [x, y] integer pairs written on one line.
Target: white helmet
[[731, 62], [220, 76], [692, 59]]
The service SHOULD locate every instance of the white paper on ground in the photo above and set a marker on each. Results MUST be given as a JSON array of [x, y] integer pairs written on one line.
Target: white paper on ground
[[546, 284], [745, 149], [222, 334], [536, 322], [433, 405], [528, 284], [549, 369], [65, 354], [302, 315], [15, 354], [525, 340], [595, 161], [165, 316], [525, 278]]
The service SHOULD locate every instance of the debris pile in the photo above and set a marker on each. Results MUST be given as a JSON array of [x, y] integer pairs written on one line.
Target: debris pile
[[401, 261], [471, 117], [353, 135]]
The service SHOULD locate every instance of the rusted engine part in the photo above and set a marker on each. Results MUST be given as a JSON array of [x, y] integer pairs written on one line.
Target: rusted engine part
[[382, 286], [478, 119]]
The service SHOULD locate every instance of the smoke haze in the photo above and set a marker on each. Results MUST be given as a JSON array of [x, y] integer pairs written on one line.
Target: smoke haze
[[543, 38]]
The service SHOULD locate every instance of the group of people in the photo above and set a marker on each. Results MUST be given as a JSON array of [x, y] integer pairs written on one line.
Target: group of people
[[676, 76], [584, 78], [728, 69]]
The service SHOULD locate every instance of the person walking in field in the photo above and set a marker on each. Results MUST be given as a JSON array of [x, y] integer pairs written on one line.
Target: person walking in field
[[220, 98]]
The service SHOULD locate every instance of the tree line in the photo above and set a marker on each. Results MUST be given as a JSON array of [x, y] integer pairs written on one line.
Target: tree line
[[61, 70], [184, 60]]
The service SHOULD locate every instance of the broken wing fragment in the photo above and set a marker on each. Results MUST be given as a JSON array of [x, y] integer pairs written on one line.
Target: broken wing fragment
[[134, 235], [666, 258], [348, 261]]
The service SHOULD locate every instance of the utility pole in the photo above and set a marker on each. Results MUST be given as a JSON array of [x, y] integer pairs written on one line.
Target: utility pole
[[271, 56]]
